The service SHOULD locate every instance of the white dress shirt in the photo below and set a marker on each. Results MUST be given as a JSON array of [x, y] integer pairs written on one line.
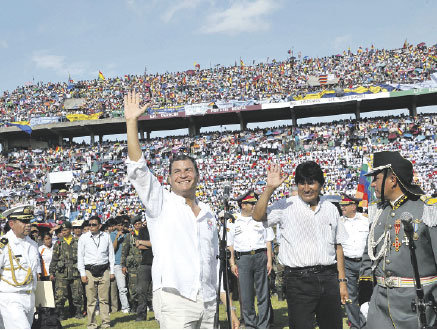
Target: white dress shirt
[[308, 237], [184, 246], [246, 234], [95, 250], [26, 254], [358, 231]]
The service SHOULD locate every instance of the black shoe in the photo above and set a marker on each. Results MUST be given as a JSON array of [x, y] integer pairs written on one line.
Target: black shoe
[[79, 315], [150, 307], [141, 318]]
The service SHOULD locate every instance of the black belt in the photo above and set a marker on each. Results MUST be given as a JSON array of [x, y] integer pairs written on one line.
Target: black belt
[[353, 259], [310, 269], [252, 252]]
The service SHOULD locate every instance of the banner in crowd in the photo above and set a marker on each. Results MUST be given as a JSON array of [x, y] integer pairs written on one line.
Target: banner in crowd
[[364, 191], [44, 120], [81, 116], [339, 99], [25, 128], [323, 79]]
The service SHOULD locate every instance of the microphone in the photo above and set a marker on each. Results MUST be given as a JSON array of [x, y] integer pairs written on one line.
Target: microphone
[[407, 221], [227, 191]]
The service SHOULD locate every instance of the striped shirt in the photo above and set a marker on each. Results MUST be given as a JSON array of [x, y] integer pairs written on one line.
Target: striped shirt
[[308, 237]]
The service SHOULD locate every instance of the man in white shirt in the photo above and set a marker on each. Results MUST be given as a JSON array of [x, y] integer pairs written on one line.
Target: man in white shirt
[[95, 262], [183, 234], [19, 268], [310, 249], [357, 227], [251, 261]]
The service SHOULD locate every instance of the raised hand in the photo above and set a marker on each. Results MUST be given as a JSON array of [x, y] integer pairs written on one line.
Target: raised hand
[[132, 109], [274, 176]]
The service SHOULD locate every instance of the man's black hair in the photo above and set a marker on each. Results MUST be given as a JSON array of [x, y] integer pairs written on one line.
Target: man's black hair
[[118, 220], [95, 217], [178, 157], [308, 172]]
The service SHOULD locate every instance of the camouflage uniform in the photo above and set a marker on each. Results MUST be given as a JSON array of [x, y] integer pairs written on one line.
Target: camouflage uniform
[[131, 258], [278, 271], [64, 267]]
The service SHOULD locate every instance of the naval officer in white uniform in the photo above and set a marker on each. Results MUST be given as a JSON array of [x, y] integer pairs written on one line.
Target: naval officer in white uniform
[[19, 267]]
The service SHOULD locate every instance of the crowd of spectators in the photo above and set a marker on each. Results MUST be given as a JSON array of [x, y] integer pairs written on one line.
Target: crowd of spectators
[[99, 185], [272, 81]]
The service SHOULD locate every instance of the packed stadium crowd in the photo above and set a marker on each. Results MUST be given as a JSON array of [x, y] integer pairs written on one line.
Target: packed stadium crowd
[[272, 81], [99, 185]]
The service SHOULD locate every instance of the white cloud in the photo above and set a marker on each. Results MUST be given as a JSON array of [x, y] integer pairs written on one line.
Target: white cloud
[[179, 5], [241, 16], [57, 63]]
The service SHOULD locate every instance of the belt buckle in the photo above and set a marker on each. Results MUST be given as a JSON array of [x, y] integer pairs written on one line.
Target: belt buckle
[[392, 282], [252, 252]]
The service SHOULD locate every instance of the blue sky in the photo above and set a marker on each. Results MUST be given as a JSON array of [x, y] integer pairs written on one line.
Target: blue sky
[[47, 40]]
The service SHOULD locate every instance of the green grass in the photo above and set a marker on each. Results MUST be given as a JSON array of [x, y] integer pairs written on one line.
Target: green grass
[[127, 321]]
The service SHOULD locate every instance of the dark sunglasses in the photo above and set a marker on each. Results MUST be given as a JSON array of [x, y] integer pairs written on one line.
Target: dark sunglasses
[[251, 203], [94, 224]]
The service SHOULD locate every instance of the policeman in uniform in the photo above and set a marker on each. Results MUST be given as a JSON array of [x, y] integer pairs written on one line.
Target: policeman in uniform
[[251, 261], [131, 258], [63, 270], [386, 260], [19, 266], [357, 227]]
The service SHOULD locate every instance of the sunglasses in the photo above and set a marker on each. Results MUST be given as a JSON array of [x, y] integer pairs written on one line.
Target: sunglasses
[[251, 203], [94, 224]]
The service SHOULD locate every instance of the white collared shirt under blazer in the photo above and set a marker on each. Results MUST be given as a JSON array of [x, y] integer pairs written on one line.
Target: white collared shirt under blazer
[[308, 237], [25, 254], [246, 234], [358, 230], [184, 246]]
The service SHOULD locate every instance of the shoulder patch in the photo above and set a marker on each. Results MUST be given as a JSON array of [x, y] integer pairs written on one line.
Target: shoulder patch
[[3, 242], [376, 202], [428, 200]]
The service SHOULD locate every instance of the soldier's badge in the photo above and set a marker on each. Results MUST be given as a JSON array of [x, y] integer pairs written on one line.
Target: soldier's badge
[[3, 242]]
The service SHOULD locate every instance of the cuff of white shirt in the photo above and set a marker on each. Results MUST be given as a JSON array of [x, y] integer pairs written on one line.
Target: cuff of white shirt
[[82, 273], [139, 162]]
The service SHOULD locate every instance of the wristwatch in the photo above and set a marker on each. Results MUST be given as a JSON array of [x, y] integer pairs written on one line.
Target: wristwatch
[[342, 280]]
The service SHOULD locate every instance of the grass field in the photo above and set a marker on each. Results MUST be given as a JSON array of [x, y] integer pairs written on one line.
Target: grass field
[[127, 321]]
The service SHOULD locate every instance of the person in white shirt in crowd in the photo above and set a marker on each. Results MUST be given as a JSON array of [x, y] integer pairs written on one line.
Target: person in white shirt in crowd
[[19, 268], [357, 226], [183, 234], [46, 251], [96, 267], [251, 261]]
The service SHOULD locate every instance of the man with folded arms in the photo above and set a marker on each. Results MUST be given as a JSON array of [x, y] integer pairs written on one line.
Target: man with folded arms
[[96, 267]]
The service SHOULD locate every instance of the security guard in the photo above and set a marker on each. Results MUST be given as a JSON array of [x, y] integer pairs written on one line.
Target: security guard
[[386, 260], [64, 272], [131, 259], [357, 227], [251, 261], [19, 266]]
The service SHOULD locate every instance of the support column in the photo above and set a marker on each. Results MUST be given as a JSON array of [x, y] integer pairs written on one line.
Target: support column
[[243, 122], [357, 110], [5, 145], [92, 139], [70, 139], [293, 117], [193, 128], [141, 134], [413, 106], [148, 134], [100, 138], [60, 141]]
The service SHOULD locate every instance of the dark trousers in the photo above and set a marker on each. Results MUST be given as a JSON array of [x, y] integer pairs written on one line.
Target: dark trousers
[[356, 318], [313, 296], [144, 278]]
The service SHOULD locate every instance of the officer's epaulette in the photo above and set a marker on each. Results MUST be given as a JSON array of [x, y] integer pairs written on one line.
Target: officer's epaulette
[[376, 202], [428, 200], [429, 211], [366, 278], [3, 242]]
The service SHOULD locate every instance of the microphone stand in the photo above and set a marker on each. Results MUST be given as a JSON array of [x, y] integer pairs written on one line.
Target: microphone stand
[[224, 257], [417, 305]]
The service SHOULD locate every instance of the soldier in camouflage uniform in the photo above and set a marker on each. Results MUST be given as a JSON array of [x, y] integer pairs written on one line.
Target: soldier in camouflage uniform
[[386, 260], [131, 258], [278, 270], [63, 270]]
